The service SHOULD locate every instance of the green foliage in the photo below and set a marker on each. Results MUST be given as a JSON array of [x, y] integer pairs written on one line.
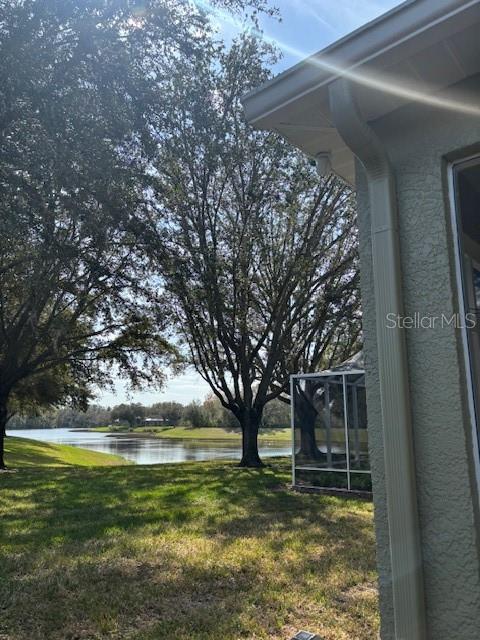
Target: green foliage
[[122, 140], [83, 90], [216, 415], [276, 414], [75, 97], [46, 390], [66, 417], [171, 413], [209, 413], [74, 94], [132, 414], [193, 415]]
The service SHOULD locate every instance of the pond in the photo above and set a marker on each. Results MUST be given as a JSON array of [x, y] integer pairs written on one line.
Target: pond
[[149, 450]]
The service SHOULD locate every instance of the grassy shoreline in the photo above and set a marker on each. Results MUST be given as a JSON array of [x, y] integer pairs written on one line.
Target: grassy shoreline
[[195, 551], [198, 433], [23, 452]]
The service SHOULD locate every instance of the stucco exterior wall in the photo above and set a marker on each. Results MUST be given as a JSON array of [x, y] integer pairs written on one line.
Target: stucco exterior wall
[[420, 140]]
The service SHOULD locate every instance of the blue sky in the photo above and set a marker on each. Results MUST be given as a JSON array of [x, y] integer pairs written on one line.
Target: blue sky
[[306, 27]]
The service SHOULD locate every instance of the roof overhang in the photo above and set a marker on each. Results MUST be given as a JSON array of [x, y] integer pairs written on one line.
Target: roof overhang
[[412, 53]]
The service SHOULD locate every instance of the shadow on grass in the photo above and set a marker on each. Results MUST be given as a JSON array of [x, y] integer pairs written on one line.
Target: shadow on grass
[[94, 523], [79, 504], [25, 453], [37, 454], [148, 600]]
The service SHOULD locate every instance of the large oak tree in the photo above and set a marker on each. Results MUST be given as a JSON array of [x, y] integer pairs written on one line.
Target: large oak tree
[[76, 87], [259, 254]]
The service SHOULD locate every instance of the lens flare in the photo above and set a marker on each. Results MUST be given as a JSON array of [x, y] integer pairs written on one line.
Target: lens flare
[[408, 90]]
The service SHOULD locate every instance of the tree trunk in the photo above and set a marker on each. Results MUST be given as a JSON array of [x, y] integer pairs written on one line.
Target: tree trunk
[[3, 428], [250, 423], [305, 417], [308, 439]]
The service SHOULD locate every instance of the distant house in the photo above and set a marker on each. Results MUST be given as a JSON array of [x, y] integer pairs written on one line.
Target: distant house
[[394, 109], [154, 422]]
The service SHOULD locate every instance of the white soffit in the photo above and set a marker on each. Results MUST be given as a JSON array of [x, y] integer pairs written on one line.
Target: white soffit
[[423, 45]]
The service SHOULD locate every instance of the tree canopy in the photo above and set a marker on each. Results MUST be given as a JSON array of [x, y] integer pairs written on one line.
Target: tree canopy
[[77, 81], [258, 254]]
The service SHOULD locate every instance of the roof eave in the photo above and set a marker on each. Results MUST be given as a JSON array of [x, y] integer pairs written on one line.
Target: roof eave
[[403, 23]]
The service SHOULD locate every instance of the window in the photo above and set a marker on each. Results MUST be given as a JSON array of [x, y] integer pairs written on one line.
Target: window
[[466, 192]]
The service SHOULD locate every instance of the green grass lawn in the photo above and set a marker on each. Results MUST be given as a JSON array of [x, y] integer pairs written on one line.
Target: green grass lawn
[[201, 433], [194, 551], [22, 452]]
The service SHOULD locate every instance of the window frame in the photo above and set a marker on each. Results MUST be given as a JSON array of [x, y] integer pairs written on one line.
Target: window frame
[[453, 169]]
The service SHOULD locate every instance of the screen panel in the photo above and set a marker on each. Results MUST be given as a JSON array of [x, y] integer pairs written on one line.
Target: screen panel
[[357, 422], [330, 435]]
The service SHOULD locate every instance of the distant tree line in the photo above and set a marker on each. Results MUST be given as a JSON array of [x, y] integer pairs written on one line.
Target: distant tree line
[[209, 413]]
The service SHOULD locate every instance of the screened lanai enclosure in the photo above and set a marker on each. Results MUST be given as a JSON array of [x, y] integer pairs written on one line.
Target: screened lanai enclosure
[[329, 428]]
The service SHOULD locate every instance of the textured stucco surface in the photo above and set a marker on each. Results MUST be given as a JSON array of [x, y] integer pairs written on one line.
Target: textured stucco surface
[[419, 141]]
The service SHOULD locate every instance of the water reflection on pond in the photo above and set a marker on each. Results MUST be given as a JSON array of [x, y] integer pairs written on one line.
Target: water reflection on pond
[[149, 450]]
